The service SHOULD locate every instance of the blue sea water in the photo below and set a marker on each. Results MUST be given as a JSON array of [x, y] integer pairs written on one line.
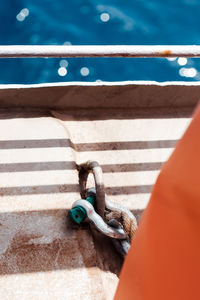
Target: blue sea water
[[88, 22]]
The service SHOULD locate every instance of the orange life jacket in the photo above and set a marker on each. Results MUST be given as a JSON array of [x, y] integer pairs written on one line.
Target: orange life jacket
[[164, 259]]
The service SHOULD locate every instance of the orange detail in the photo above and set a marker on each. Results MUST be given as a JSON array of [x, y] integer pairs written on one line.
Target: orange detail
[[166, 53], [164, 260]]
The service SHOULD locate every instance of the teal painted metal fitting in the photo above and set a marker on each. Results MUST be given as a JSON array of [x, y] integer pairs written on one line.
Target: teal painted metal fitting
[[78, 213]]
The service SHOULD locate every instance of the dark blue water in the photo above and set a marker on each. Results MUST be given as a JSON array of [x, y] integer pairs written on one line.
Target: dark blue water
[[99, 22]]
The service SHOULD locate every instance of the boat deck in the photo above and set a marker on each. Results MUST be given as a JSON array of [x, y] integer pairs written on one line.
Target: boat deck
[[42, 255]]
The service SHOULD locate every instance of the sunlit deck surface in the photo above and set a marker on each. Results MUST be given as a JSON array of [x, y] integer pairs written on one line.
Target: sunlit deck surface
[[44, 133]]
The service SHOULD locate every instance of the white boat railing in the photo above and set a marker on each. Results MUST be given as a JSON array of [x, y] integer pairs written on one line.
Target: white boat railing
[[99, 51]]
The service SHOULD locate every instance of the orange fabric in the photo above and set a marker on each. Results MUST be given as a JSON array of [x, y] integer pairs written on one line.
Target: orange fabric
[[164, 259]]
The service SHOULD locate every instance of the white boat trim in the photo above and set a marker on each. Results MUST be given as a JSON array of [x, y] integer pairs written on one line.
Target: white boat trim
[[100, 83], [99, 51]]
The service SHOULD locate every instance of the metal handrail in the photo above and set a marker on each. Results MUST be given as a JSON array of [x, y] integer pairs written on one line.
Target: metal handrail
[[99, 51]]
